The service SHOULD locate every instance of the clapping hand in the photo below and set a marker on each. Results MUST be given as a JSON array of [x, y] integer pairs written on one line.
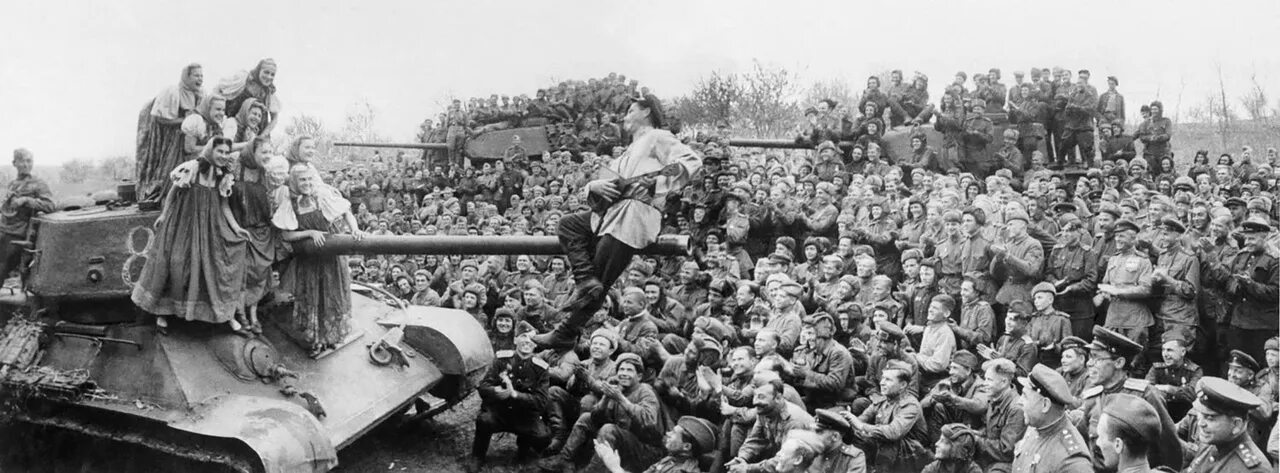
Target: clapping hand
[[608, 455], [986, 352]]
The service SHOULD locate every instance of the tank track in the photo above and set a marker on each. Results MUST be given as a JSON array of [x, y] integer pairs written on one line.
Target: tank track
[[204, 454]]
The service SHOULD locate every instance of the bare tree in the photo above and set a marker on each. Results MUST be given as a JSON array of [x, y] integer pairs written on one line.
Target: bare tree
[[714, 99], [1255, 101], [1224, 114], [769, 102], [836, 89]]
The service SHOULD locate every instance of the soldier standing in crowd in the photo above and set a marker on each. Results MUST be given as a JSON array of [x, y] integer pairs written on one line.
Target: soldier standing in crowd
[[1126, 285], [27, 196], [1110, 356], [1155, 133], [514, 395], [1051, 443], [1111, 103], [1223, 412], [1252, 281], [978, 132]]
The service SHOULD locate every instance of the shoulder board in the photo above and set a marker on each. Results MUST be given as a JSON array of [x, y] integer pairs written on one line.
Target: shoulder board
[[1159, 365], [1068, 442], [1249, 454], [1135, 384], [852, 451], [505, 353], [1191, 365], [539, 362], [1093, 391]]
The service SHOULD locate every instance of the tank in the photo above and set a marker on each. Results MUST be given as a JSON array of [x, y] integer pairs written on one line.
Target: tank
[[483, 147], [84, 361]]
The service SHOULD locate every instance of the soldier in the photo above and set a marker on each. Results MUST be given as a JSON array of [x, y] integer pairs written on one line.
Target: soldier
[[1115, 144], [1002, 419], [627, 418], [823, 376], [27, 195], [1176, 282], [1127, 285], [1015, 344], [1241, 371], [1109, 357], [457, 121], [1075, 358], [1071, 270], [1126, 429], [892, 428], [1176, 377], [941, 405], [1252, 282], [1271, 374], [775, 416], [1048, 327], [688, 440], [513, 398], [836, 456], [1223, 411], [1051, 444], [977, 134], [1111, 103], [1155, 133], [1019, 257], [1082, 101]]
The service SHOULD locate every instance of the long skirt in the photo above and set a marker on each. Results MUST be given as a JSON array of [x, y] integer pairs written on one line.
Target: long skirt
[[195, 266], [321, 288], [159, 151]]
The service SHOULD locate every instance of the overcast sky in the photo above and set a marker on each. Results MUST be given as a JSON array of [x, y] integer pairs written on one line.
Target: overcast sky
[[73, 75]]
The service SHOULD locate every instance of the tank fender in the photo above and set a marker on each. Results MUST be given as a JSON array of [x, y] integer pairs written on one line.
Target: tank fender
[[452, 338], [285, 437]]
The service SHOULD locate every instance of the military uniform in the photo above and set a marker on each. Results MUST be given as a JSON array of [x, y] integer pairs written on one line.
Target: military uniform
[[897, 433], [1166, 451], [1236, 455], [1056, 447], [978, 131], [1183, 377], [521, 413]]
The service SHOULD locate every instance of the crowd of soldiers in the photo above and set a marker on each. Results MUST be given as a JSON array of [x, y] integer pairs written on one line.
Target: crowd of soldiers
[[578, 116], [1054, 302]]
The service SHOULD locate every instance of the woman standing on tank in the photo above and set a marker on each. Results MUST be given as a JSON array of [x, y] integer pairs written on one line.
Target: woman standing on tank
[[160, 132], [259, 84], [195, 267], [306, 211], [251, 205]]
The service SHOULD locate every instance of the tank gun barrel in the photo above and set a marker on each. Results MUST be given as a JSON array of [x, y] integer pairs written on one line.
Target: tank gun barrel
[[777, 143], [667, 245], [426, 146]]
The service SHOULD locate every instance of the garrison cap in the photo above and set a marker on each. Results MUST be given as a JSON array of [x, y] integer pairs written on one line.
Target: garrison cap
[[1217, 395], [820, 316], [1243, 360], [1018, 214], [1131, 203], [1273, 343], [608, 334], [781, 257], [1049, 383], [1105, 339], [524, 328], [912, 254], [1044, 287], [1133, 414], [702, 432], [1260, 203], [1173, 225]]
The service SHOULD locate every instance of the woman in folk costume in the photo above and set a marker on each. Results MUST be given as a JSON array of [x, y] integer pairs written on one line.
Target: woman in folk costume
[[160, 133], [195, 264], [258, 83], [306, 211], [251, 205], [246, 125]]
